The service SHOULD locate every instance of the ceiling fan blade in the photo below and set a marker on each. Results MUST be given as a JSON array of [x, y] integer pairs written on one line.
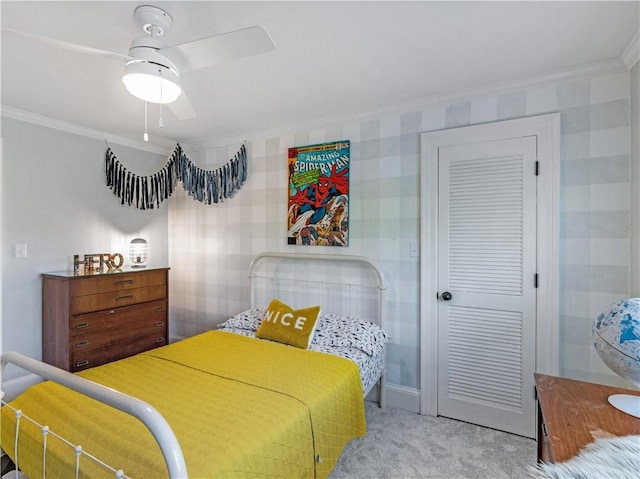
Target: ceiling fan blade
[[182, 108], [221, 48], [74, 47]]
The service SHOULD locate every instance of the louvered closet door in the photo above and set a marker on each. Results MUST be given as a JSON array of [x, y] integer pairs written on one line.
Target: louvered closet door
[[487, 260]]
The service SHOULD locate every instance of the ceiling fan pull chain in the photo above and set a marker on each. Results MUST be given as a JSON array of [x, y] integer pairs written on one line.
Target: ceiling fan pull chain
[[146, 135], [161, 123]]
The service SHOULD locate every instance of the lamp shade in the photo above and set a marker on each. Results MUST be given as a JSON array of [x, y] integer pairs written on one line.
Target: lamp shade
[[138, 252], [151, 82]]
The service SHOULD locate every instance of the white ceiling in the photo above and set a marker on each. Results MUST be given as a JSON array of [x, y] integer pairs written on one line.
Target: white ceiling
[[332, 59]]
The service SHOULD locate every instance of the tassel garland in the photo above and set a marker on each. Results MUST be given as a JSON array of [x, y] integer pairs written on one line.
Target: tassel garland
[[147, 192]]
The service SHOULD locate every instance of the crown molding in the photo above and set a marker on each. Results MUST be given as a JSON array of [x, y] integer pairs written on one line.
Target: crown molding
[[41, 120], [631, 54], [615, 65]]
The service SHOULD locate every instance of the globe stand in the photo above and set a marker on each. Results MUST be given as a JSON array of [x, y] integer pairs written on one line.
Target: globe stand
[[626, 403]]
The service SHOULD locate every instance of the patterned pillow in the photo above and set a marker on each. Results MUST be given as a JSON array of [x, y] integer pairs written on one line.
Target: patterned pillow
[[249, 320], [347, 331], [290, 326]]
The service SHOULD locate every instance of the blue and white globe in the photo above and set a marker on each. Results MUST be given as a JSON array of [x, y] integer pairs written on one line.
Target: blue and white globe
[[616, 334]]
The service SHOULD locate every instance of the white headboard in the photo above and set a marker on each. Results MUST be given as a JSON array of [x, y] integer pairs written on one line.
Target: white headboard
[[357, 287]]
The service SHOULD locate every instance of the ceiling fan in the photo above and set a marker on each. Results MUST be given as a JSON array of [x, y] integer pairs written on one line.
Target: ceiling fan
[[152, 69]]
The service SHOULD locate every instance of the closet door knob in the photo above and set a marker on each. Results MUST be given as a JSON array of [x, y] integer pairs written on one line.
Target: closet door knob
[[446, 296]]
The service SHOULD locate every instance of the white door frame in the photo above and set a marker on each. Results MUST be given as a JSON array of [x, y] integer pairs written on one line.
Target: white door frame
[[547, 130]]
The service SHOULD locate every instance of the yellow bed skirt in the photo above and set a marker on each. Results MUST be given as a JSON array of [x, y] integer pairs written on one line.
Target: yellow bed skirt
[[240, 407]]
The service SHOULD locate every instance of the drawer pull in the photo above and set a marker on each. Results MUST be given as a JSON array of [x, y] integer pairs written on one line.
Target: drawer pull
[[125, 281], [113, 311], [160, 323], [81, 364], [82, 325], [161, 308], [82, 343], [160, 340], [129, 296]]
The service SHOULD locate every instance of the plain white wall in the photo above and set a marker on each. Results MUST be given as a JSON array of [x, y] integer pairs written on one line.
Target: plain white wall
[[54, 200]]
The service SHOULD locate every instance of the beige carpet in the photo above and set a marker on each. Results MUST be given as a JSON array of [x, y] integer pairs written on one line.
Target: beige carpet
[[400, 445]]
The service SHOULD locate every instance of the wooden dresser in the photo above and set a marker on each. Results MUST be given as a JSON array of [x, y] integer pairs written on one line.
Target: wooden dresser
[[572, 414], [89, 320]]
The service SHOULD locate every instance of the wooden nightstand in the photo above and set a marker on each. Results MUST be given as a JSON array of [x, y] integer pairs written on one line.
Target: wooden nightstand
[[572, 414], [89, 320]]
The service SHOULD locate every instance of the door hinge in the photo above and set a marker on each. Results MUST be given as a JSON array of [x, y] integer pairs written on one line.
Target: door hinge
[[537, 168], [535, 280]]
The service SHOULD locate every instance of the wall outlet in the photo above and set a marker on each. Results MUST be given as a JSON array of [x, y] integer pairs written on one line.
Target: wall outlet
[[21, 250], [414, 249]]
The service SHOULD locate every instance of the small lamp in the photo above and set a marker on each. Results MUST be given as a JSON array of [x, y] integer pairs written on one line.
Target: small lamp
[[138, 252]]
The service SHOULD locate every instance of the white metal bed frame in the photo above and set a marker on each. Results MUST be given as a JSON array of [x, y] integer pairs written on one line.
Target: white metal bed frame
[[361, 260], [146, 413]]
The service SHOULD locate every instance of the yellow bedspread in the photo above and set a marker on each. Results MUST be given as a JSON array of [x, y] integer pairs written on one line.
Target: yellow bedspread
[[240, 407]]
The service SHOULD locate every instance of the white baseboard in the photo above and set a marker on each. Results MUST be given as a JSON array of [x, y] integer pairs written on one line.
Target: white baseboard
[[14, 387], [402, 397]]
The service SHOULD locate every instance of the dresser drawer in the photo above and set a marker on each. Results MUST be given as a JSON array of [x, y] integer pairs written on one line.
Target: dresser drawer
[[117, 282], [116, 299], [118, 349], [103, 326], [98, 338]]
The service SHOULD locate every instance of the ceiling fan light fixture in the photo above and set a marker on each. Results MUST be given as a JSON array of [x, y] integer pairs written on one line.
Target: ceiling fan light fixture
[[151, 82]]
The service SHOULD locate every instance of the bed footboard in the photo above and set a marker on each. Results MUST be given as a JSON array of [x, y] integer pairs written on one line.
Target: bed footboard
[[148, 415]]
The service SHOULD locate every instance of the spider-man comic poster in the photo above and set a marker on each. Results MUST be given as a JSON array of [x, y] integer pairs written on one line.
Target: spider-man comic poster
[[319, 194]]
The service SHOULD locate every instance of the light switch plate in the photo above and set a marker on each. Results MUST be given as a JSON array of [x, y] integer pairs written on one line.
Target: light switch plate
[[21, 250]]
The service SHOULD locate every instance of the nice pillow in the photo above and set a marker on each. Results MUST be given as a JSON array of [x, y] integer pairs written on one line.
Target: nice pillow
[[283, 324]]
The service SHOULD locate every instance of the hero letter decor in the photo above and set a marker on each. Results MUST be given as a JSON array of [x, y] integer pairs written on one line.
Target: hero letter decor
[[97, 263], [147, 192]]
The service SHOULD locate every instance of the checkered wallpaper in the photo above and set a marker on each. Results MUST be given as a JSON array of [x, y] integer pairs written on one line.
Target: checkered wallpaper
[[211, 246]]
